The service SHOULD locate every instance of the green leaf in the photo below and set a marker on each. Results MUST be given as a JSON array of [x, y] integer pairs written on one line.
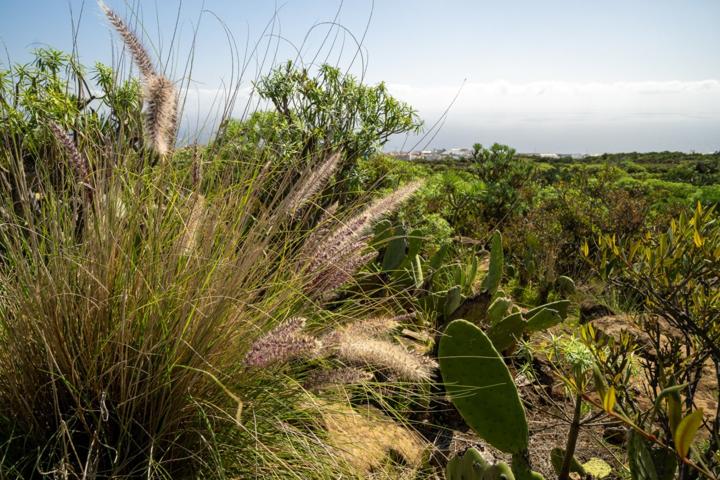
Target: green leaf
[[395, 252], [543, 320], [686, 431], [453, 299]]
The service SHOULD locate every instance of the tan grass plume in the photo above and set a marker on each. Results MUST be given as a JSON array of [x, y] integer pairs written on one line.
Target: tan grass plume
[[283, 343], [334, 258], [160, 94], [313, 182]]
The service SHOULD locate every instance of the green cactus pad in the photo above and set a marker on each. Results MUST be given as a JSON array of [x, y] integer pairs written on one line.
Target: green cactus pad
[[453, 470], [497, 310], [499, 471], [471, 273], [473, 464], [543, 320], [453, 300], [507, 331], [565, 285], [561, 306], [481, 387], [438, 257], [521, 467], [491, 282], [414, 245], [469, 466], [395, 251]]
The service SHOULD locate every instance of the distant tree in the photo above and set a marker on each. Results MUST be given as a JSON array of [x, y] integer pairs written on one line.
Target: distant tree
[[332, 111], [504, 176]]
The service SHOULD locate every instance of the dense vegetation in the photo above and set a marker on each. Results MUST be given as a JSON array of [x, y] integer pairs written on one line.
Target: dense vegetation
[[289, 302]]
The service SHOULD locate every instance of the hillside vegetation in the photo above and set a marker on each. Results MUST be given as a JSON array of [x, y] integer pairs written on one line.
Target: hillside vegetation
[[286, 301]]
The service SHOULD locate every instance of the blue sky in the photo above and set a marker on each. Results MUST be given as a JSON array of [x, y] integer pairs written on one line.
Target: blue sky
[[554, 75]]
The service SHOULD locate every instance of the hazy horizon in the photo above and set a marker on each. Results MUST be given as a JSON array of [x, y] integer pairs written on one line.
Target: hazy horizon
[[540, 76]]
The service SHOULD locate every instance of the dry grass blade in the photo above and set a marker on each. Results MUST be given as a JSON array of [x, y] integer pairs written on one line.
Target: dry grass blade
[[323, 379]]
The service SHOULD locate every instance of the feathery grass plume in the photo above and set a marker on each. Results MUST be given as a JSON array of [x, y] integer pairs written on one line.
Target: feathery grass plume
[[334, 259], [323, 379], [137, 50], [390, 357], [161, 113], [77, 160], [192, 226], [376, 326], [283, 343], [313, 182], [325, 282], [322, 228], [366, 328], [197, 170], [160, 93]]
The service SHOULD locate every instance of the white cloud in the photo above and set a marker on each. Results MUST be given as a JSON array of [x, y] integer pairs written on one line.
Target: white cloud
[[558, 116], [554, 98]]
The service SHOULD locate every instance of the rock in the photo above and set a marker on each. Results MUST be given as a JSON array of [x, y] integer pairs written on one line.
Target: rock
[[591, 310]]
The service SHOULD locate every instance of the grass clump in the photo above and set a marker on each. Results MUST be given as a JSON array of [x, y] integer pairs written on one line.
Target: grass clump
[[152, 320]]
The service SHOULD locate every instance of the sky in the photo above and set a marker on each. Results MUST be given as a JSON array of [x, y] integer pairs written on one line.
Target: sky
[[566, 76]]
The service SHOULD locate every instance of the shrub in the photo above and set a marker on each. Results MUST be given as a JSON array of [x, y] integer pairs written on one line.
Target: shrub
[[673, 274]]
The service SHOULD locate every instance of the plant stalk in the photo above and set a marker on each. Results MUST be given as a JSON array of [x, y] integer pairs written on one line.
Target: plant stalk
[[572, 439]]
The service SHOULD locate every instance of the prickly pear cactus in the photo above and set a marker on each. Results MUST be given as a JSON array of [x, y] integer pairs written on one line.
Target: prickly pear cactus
[[499, 471], [469, 466], [481, 387], [565, 285], [561, 306], [542, 320], [453, 299], [497, 310], [495, 270], [395, 250], [521, 467], [505, 333], [472, 466]]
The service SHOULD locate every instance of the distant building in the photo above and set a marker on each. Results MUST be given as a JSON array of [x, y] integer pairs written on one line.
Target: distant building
[[459, 153]]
